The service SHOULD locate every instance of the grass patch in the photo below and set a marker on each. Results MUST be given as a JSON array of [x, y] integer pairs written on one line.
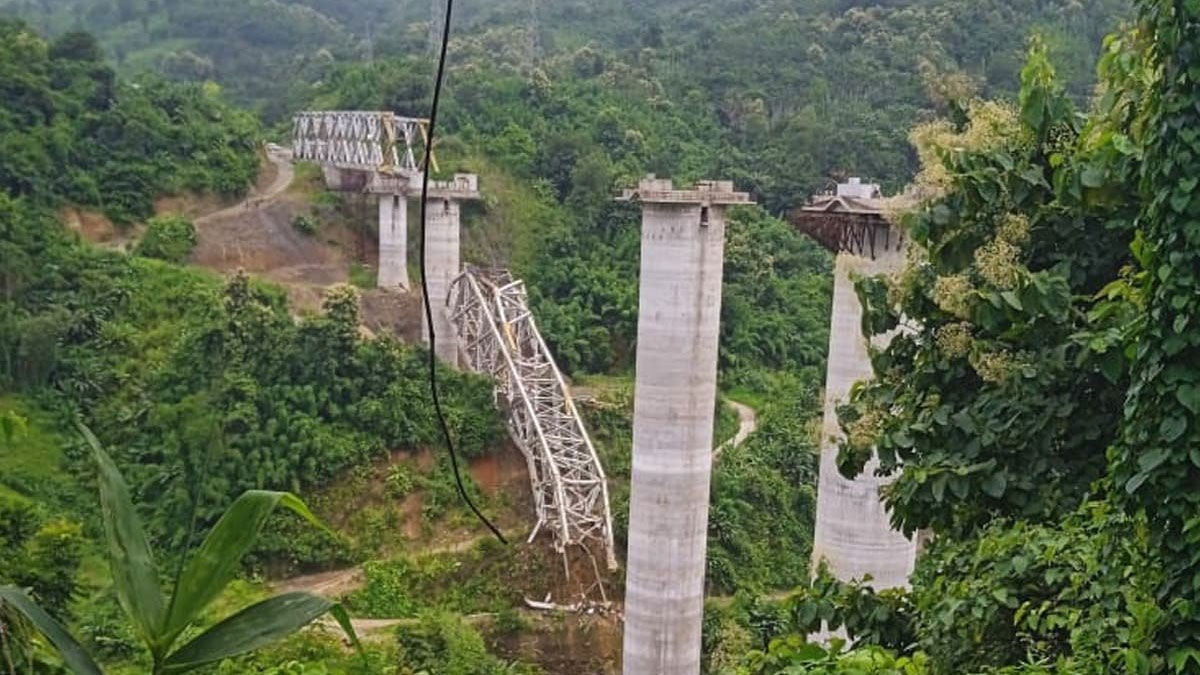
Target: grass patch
[[754, 398], [725, 423], [362, 276], [605, 383], [307, 179], [487, 578], [34, 455]]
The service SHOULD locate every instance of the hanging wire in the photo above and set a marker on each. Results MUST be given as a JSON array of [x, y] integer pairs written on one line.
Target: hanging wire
[[433, 380]]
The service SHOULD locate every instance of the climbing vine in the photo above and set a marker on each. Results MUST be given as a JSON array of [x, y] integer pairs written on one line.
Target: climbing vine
[[1045, 376], [987, 401], [1156, 463]]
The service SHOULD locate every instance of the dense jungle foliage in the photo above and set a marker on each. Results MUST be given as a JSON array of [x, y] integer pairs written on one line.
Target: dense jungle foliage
[[1039, 413], [202, 387], [71, 132], [790, 92]]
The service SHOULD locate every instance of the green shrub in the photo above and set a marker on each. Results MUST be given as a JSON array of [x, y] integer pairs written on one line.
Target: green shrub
[[794, 656], [168, 237], [884, 619], [442, 643], [725, 423], [305, 224], [509, 621], [362, 276], [315, 652], [374, 525], [105, 628], [1080, 590], [39, 553], [287, 546], [733, 629], [400, 481], [298, 668], [483, 579]]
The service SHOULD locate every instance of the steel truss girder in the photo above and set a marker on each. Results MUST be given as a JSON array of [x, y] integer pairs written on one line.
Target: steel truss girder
[[499, 337], [355, 139]]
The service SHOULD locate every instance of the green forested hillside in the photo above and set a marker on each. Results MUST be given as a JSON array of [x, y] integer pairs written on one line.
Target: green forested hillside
[[201, 387], [71, 132], [802, 91]]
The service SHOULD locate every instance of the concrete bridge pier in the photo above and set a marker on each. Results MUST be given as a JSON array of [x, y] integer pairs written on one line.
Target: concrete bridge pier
[[442, 257], [853, 528], [442, 264], [683, 244], [393, 241]]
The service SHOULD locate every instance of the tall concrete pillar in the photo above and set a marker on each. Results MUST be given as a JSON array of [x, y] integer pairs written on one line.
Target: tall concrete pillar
[[853, 532], [393, 241], [683, 246], [442, 264]]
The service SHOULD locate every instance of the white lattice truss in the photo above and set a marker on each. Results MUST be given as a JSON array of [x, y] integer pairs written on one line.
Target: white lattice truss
[[499, 337], [351, 139]]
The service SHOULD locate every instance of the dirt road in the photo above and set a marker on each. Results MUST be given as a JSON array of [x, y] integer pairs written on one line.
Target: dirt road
[[747, 424], [281, 161]]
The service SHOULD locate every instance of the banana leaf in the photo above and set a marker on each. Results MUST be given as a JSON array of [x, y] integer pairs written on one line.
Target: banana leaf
[[255, 626], [134, 573], [73, 654], [218, 559]]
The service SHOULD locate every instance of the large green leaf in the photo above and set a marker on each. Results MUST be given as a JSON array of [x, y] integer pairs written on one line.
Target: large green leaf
[[73, 655], [134, 573], [340, 615], [217, 560], [256, 626]]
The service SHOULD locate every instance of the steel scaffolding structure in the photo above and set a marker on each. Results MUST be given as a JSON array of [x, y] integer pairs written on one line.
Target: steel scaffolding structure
[[355, 139], [499, 337]]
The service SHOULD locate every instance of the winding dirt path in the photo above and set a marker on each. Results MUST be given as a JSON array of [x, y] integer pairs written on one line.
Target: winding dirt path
[[747, 424], [336, 583], [281, 159]]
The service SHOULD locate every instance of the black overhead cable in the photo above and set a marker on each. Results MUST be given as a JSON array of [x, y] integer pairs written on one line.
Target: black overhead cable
[[433, 381]]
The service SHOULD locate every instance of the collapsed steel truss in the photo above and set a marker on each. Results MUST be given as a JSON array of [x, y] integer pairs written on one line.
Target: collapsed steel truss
[[364, 140], [499, 337]]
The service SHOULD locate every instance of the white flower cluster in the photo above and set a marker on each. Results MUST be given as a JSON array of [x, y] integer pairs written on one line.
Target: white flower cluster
[[954, 340], [862, 432], [953, 295], [994, 367], [1014, 229], [996, 262], [992, 125]]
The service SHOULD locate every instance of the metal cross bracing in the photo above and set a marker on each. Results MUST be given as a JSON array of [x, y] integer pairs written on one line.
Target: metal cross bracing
[[356, 139], [499, 337], [861, 234]]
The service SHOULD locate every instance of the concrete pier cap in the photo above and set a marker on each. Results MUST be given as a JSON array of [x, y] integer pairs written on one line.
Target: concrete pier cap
[[462, 187], [679, 310], [654, 190]]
